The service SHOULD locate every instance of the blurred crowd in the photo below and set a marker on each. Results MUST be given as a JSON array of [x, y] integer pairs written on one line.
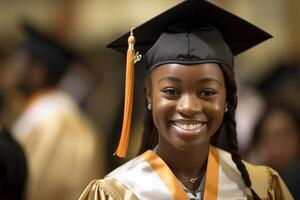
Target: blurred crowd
[[60, 125], [275, 134]]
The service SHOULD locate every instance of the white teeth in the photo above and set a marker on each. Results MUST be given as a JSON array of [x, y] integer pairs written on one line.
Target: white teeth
[[188, 126]]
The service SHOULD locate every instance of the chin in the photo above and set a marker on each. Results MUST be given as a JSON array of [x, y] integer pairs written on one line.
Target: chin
[[189, 141], [190, 145]]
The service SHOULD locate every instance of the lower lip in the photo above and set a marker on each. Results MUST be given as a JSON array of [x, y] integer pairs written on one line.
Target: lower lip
[[189, 133]]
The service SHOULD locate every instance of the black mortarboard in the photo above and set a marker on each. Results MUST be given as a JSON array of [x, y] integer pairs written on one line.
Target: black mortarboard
[[55, 56], [192, 32]]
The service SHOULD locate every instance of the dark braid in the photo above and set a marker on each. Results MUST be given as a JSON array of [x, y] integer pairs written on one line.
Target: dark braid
[[150, 135], [230, 127]]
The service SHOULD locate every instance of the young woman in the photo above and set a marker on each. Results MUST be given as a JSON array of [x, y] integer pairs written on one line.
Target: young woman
[[191, 99]]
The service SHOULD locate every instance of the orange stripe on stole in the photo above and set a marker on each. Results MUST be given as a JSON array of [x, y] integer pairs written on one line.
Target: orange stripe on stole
[[165, 174], [212, 175]]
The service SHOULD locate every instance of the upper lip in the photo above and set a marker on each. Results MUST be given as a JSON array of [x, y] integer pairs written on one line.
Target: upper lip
[[189, 120]]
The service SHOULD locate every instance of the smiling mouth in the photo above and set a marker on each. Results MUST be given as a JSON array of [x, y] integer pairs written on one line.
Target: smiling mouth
[[188, 126]]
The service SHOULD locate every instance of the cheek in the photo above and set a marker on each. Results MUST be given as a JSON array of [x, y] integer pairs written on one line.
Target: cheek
[[219, 110], [215, 111], [162, 110]]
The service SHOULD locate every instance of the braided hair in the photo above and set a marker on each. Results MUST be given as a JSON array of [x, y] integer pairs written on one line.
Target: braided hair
[[230, 127], [150, 134]]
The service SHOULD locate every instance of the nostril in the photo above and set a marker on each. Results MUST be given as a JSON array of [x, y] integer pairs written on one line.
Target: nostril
[[189, 105], [188, 110]]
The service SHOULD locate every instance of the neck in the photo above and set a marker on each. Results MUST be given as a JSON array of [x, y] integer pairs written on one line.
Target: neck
[[185, 164]]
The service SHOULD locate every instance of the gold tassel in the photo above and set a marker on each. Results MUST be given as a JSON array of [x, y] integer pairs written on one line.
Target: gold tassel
[[131, 59]]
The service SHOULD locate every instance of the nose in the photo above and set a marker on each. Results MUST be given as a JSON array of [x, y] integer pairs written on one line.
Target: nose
[[189, 105]]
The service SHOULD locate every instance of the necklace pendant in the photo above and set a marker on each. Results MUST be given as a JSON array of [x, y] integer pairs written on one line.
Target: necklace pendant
[[193, 180]]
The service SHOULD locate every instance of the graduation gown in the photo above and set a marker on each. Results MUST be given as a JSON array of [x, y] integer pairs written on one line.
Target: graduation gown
[[62, 148], [148, 177]]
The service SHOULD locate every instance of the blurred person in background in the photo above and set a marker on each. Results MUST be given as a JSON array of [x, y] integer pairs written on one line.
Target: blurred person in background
[[281, 93], [276, 139], [13, 168], [276, 142], [63, 150], [11, 97], [282, 84], [78, 81]]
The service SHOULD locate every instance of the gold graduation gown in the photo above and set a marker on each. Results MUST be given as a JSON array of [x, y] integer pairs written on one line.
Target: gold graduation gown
[[62, 148], [147, 177]]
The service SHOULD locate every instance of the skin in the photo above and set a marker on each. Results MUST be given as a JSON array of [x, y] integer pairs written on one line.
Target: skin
[[188, 105], [280, 140], [31, 75]]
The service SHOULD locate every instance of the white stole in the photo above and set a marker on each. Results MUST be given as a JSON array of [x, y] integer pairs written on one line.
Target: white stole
[[149, 177]]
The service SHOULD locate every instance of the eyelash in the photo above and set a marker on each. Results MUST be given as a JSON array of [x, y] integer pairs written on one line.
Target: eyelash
[[202, 93], [207, 92], [170, 91]]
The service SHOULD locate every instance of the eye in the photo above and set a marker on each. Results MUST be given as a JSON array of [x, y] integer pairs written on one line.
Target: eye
[[207, 92], [171, 91]]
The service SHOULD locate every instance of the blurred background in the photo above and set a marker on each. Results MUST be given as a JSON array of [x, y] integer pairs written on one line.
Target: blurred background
[[268, 75]]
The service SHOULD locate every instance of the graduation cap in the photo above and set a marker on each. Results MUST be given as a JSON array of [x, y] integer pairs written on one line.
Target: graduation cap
[[53, 54], [192, 32]]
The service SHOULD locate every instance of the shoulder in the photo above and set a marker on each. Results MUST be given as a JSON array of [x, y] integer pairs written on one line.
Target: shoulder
[[51, 104], [265, 181], [106, 189], [112, 186]]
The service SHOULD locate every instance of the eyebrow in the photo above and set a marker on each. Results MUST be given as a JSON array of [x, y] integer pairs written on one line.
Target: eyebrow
[[203, 80], [208, 79], [170, 78]]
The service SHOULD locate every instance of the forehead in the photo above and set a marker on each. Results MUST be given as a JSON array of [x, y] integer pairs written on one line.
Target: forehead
[[188, 72]]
